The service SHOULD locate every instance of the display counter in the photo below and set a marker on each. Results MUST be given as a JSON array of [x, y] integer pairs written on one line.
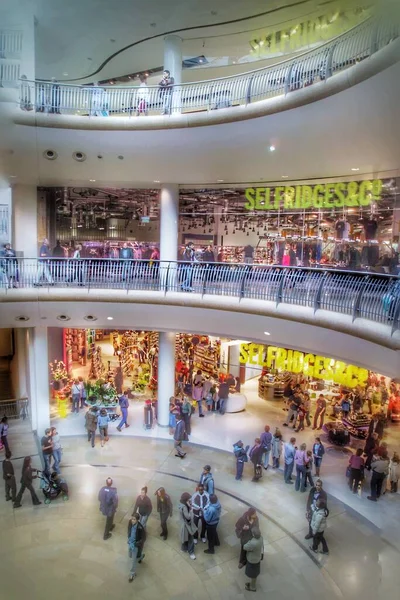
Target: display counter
[[268, 390], [236, 403]]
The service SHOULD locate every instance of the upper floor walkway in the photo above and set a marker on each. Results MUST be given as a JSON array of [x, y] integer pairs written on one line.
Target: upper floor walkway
[[337, 65]]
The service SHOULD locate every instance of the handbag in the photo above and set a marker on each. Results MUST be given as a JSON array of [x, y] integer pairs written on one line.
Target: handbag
[[348, 471]]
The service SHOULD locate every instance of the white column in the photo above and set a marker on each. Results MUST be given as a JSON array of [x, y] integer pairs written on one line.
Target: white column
[[39, 379], [25, 220], [166, 375], [169, 213], [173, 63], [22, 350], [5, 211]]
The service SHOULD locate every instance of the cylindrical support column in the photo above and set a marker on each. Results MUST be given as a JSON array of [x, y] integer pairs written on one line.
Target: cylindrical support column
[[39, 379], [25, 220], [22, 350], [173, 63], [169, 212], [166, 375]]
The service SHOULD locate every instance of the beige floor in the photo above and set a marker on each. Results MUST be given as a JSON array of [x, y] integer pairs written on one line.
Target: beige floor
[[57, 551]]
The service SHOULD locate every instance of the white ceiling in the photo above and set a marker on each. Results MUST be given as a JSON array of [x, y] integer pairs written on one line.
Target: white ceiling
[[355, 128]]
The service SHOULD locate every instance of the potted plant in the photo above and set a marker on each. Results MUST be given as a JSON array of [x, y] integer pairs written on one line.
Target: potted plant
[[59, 375]]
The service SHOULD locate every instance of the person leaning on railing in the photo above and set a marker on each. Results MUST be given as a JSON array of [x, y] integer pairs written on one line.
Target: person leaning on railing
[[166, 86]]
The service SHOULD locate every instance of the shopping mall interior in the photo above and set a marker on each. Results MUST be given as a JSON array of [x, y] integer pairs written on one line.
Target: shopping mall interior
[[199, 261]]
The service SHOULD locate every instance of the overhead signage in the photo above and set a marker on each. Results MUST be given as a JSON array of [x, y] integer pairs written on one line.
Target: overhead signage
[[320, 367], [321, 195]]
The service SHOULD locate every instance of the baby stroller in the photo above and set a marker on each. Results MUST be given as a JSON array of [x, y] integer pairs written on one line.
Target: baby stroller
[[53, 486]]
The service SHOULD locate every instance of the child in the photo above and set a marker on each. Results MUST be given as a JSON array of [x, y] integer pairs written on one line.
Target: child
[[172, 415], [241, 458], [309, 464], [301, 413], [210, 398], [394, 472], [318, 526], [9, 478]]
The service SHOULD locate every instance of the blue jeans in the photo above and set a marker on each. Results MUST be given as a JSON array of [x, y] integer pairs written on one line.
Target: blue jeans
[[266, 456], [134, 553], [222, 402], [300, 478], [200, 405], [239, 469], [57, 459], [47, 463], [287, 472], [143, 520], [91, 437], [75, 403], [189, 545], [124, 419]]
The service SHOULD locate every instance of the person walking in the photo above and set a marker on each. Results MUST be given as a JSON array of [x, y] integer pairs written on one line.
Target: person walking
[[316, 493], [356, 464], [320, 411], [318, 452], [82, 391], [4, 434], [9, 478], [200, 500], [277, 445], [143, 506], [188, 528], [91, 419], [136, 540], [27, 477], [309, 464], [186, 411], [307, 407], [108, 499], [243, 528], [76, 395], [43, 265], [254, 553], [241, 457], [223, 395], [57, 449], [197, 392], [179, 436], [164, 509], [266, 442], [124, 405], [47, 451], [294, 403], [380, 469], [256, 454], [394, 472], [212, 515], [300, 459], [318, 526], [289, 454], [370, 449], [207, 480], [102, 422]]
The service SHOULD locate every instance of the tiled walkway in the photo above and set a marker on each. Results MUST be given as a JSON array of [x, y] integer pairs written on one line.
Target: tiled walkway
[[57, 551]]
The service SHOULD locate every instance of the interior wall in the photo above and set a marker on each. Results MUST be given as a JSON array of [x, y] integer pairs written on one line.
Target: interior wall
[[55, 343]]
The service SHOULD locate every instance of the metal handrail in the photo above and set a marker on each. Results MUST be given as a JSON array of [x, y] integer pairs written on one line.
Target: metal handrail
[[305, 69], [372, 296]]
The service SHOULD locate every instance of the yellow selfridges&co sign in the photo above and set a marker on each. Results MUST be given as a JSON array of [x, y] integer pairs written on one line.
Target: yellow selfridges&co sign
[[310, 365], [321, 195]]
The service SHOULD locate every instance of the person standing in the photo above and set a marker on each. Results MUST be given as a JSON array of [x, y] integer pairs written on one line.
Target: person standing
[[9, 478], [143, 506], [370, 449], [318, 526], [91, 424], [318, 451], [309, 464], [76, 395], [289, 455], [82, 390], [57, 449], [315, 494], [26, 483], [10, 263], [207, 480], [102, 422], [276, 448], [380, 469], [376, 425], [294, 403], [197, 393], [243, 529], [200, 500], [43, 268], [124, 405], [47, 451], [254, 553], [394, 472], [356, 464], [4, 434], [108, 499], [300, 462], [256, 454], [212, 515], [164, 509], [223, 395], [188, 528], [179, 436], [186, 411], [241, 457], [266, 442], [136, 540], [307, 407], [320, 411], [166, 87]]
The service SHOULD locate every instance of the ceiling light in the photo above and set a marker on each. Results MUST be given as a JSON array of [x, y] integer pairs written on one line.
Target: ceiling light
[[79, 225], [65, 74], [156, 181], [355, 169], [285, 176], [272, 148], [100, 228], [267, 333], [110, 318], [146, 74], [92, 180], [262, 42], [112, 227], [220, 180], [12, 176]]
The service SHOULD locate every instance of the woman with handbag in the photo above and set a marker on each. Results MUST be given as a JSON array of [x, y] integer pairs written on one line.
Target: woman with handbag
[[255, 551], [356, 468], [188, 528]]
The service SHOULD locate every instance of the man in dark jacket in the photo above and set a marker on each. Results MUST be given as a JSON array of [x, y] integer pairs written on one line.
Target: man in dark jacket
[[376, 426], [108, 499], [200, 501], [124, 405], [179, 436], [243, 529], [9, 478], [315, 494], [294, 403], [256, 454]]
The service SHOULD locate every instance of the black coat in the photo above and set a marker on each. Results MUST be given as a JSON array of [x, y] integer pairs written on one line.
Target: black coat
[[140, 534], [322, 495], [378, 428]]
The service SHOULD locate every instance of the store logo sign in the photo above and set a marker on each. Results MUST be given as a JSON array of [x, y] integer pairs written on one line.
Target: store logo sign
[[322, 195], [310, 365]]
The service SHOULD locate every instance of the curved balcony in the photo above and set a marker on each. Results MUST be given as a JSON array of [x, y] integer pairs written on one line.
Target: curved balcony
[[308, 77]]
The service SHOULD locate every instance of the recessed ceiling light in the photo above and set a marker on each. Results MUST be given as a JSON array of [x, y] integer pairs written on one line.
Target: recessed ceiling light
[[355, 169], [220, 180], [156, 181], [12, 176], [100, 228], [79, 225], [285, 176], [92, 180], [65, 74], [267, 333], [110, 318], [272, 148]]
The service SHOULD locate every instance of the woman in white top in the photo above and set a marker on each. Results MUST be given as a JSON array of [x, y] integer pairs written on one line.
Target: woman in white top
[[143, 96]]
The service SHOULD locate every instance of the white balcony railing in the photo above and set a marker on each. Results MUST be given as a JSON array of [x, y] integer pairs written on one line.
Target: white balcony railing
[[10, 43], [340, 53]]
